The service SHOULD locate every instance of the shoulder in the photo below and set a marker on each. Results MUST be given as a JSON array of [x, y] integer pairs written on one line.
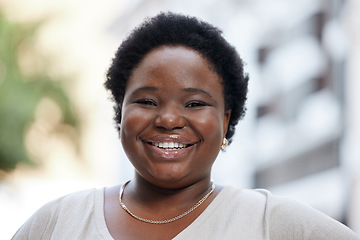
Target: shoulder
[[289, 218], [70, 201], [78, 200], [247, 198], [241, 210], [67, 208], [281, 217]]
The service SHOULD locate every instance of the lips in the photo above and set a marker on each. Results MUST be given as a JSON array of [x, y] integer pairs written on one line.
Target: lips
[[169, 146]]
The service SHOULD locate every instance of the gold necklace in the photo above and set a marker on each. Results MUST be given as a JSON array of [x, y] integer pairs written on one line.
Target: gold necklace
[[166, 220]]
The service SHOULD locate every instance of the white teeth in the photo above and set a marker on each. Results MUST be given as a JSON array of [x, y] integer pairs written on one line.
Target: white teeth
[[169, 145]]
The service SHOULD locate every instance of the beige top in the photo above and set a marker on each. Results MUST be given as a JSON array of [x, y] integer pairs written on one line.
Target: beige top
[[233, 214]]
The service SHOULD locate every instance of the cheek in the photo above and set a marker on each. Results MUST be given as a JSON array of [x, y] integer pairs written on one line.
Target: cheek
[[132, 124], [209, 126]]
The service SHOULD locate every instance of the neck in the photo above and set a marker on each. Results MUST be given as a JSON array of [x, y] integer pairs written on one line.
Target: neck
[[177, 196]]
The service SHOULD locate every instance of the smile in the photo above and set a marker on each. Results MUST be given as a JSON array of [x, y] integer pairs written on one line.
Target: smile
[[170, 145]]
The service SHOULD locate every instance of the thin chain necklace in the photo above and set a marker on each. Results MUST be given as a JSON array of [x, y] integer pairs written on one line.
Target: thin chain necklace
[[166, 220]]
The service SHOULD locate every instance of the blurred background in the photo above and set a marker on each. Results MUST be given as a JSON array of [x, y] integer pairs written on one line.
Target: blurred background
[[300, 137]]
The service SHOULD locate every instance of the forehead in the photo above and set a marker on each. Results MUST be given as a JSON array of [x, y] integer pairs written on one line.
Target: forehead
[[175, 62], [166, 54]]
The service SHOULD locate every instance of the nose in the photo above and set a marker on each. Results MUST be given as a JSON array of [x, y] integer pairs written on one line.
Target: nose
[[169, 117]]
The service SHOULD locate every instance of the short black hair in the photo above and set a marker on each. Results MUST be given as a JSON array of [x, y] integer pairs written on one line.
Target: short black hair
[[170, 29]]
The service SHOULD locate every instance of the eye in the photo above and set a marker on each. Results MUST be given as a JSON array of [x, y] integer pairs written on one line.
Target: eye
[[147, 102], [196, 104]]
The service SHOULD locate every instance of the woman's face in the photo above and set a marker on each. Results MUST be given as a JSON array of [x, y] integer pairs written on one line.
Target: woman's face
[[173, 117]]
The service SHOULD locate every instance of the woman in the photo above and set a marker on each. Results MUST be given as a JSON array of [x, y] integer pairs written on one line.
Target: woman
[[179, 90]]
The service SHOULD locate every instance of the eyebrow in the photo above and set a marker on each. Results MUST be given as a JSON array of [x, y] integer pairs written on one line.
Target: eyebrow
[[197, 90], [146, 88], [154, 89]]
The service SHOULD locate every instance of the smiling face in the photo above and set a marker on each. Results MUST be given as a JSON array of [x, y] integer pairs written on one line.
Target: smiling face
[[173, 117]]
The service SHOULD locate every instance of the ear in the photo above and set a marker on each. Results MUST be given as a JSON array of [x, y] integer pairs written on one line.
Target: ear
[[226, 120]]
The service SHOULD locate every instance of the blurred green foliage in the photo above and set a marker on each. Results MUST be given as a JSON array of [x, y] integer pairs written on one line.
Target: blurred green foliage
[[20, 93]]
